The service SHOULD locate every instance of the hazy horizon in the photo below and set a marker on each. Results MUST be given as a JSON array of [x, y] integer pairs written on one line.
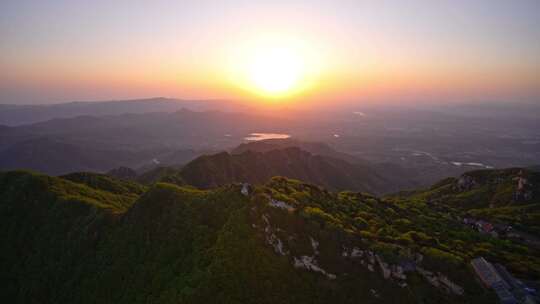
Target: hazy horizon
[[314, 52]]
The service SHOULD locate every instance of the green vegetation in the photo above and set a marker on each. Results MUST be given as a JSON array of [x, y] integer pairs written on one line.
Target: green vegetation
[[89, 238], [490, 196], [162, 174], [106, 183]]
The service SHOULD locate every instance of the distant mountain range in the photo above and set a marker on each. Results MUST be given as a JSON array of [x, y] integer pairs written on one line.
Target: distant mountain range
[[100, 143], [13, 115], [151, 140], [407, 148]]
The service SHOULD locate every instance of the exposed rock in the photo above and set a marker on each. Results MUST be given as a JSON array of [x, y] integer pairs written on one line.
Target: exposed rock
[[522, 183], [356, 253], [271, 238], [453, 287], [439, 280], [314, 245], [523, 189], [384, 267], [280, 204], [395, 273], [419, 258], [402, 284], [267, 228], [398, 272], [309, 263], [428, 275], [277, 244], [371, 257], [246, 189]]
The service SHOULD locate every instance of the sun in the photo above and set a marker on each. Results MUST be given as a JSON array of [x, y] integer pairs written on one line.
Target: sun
[[276, 71], [273, 68]]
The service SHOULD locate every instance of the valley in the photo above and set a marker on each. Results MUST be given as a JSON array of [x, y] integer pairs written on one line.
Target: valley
[[389, 141]]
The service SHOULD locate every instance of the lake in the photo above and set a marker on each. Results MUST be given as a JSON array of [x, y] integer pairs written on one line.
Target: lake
[[263, 136]]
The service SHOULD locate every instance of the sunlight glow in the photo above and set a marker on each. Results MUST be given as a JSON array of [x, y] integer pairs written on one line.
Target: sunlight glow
[[274, 67], [275, 71]]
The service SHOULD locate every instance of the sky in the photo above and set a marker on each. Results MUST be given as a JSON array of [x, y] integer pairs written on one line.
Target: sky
[[331, 51]]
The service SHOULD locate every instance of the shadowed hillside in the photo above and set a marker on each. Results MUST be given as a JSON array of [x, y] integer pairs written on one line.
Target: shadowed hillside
[[258, 167]]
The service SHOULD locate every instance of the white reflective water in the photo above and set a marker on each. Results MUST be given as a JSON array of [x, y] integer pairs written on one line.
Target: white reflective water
[[263, 136]]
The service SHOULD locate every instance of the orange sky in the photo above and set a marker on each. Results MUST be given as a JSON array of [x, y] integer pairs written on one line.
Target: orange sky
[[454, 50]]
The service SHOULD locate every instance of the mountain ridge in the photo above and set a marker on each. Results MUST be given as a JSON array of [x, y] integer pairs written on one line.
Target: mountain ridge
[[209, 171], [282, 241], [14, 115]]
